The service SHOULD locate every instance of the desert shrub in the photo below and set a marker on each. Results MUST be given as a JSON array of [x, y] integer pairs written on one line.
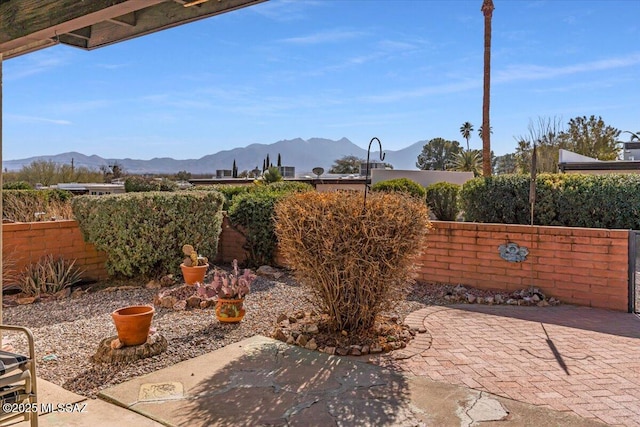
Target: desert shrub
[[48, 276], [290, 186], [355, 262], [165, 184], [272, 175], [400, 185], [442, 199], [570, 200], [143, 233], [137, 184], [17, 185], [36, 205], [10, 276]]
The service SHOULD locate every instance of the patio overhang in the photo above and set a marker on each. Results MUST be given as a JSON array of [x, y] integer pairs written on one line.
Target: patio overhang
[[30, 25]]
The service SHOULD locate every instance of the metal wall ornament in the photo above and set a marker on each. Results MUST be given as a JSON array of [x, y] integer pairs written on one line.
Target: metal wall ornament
[[512, 252]]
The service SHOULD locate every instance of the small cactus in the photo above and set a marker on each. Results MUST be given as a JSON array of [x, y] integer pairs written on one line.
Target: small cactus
[[193, 259]]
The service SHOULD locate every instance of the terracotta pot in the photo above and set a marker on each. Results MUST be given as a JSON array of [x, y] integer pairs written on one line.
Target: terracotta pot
[[133, 323], [193, 275], [230, 310]]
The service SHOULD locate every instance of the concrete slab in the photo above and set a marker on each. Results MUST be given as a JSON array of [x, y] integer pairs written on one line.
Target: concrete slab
[[260, 381], [77, 411], [440, 404]]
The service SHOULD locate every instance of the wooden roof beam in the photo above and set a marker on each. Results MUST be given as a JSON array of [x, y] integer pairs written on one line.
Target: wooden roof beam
[[24, 20], [128, 20]]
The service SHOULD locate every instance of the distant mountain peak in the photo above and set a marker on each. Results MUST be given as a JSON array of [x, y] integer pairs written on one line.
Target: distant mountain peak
[[298, 152]]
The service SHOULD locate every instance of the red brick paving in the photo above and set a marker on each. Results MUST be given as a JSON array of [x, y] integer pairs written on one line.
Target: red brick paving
[[505, 350]]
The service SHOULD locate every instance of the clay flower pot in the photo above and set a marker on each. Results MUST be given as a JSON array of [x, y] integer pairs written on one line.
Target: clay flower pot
[[193, 275], [230, 310], [133, 323]]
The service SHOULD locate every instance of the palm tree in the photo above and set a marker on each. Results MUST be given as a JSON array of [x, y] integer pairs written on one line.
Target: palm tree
[[634, 136], [487, 11], [465, 131], [480, 131], [468, 161]]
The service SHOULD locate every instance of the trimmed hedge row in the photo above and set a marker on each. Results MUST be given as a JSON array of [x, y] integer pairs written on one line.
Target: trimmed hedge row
[[400, 185], [143, 233], [572, 200], [252, 213], [443, 200]]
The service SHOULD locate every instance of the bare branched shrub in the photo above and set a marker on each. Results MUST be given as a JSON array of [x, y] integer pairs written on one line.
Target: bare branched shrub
[[356, 262], [34, 205]]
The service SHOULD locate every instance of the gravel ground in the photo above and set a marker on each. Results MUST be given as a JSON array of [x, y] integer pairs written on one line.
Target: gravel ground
[[71, 329]]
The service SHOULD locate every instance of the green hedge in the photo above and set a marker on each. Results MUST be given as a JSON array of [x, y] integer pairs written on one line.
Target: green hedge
[[143, 233], [573, 200], [137, 184], [252, 213], [400, 185], [442, 199]]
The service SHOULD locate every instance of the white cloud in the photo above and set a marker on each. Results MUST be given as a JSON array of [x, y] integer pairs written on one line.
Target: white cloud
[[284, 10], [330, 36], [32, 119], [34, 63], [539, 72]]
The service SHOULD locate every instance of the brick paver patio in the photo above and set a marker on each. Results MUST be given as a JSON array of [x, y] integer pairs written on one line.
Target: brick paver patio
[[566, 358]]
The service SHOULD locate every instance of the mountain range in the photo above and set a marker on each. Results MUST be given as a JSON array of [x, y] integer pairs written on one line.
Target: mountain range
[[303, 154]]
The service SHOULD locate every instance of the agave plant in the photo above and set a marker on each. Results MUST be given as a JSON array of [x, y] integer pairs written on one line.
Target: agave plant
[[232, 285]]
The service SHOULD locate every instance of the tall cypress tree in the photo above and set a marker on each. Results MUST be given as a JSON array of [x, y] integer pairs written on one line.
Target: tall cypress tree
[[279, 160]]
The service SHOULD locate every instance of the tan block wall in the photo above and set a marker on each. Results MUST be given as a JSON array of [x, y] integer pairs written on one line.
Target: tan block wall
[[582, 266], [27, 242], [230, 246]]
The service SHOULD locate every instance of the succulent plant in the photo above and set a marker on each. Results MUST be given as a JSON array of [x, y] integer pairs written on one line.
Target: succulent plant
[[193, 259], [232, 285]]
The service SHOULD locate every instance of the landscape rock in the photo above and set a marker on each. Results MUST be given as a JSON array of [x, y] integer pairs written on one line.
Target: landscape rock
[[27, 300], [62, 294], [375, 350], [193, 301], [279, 335], [311, 345], [180, 305], [301, 340], [269, 272], [311, 328], [153, 284], [341, 351], [77, 293]]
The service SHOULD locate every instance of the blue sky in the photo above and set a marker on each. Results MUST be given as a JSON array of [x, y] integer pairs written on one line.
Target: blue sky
[[403, 71]]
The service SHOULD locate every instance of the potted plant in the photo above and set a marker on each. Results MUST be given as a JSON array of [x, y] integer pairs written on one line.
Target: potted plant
[[194, 266], [231, 289], [133, 323]]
